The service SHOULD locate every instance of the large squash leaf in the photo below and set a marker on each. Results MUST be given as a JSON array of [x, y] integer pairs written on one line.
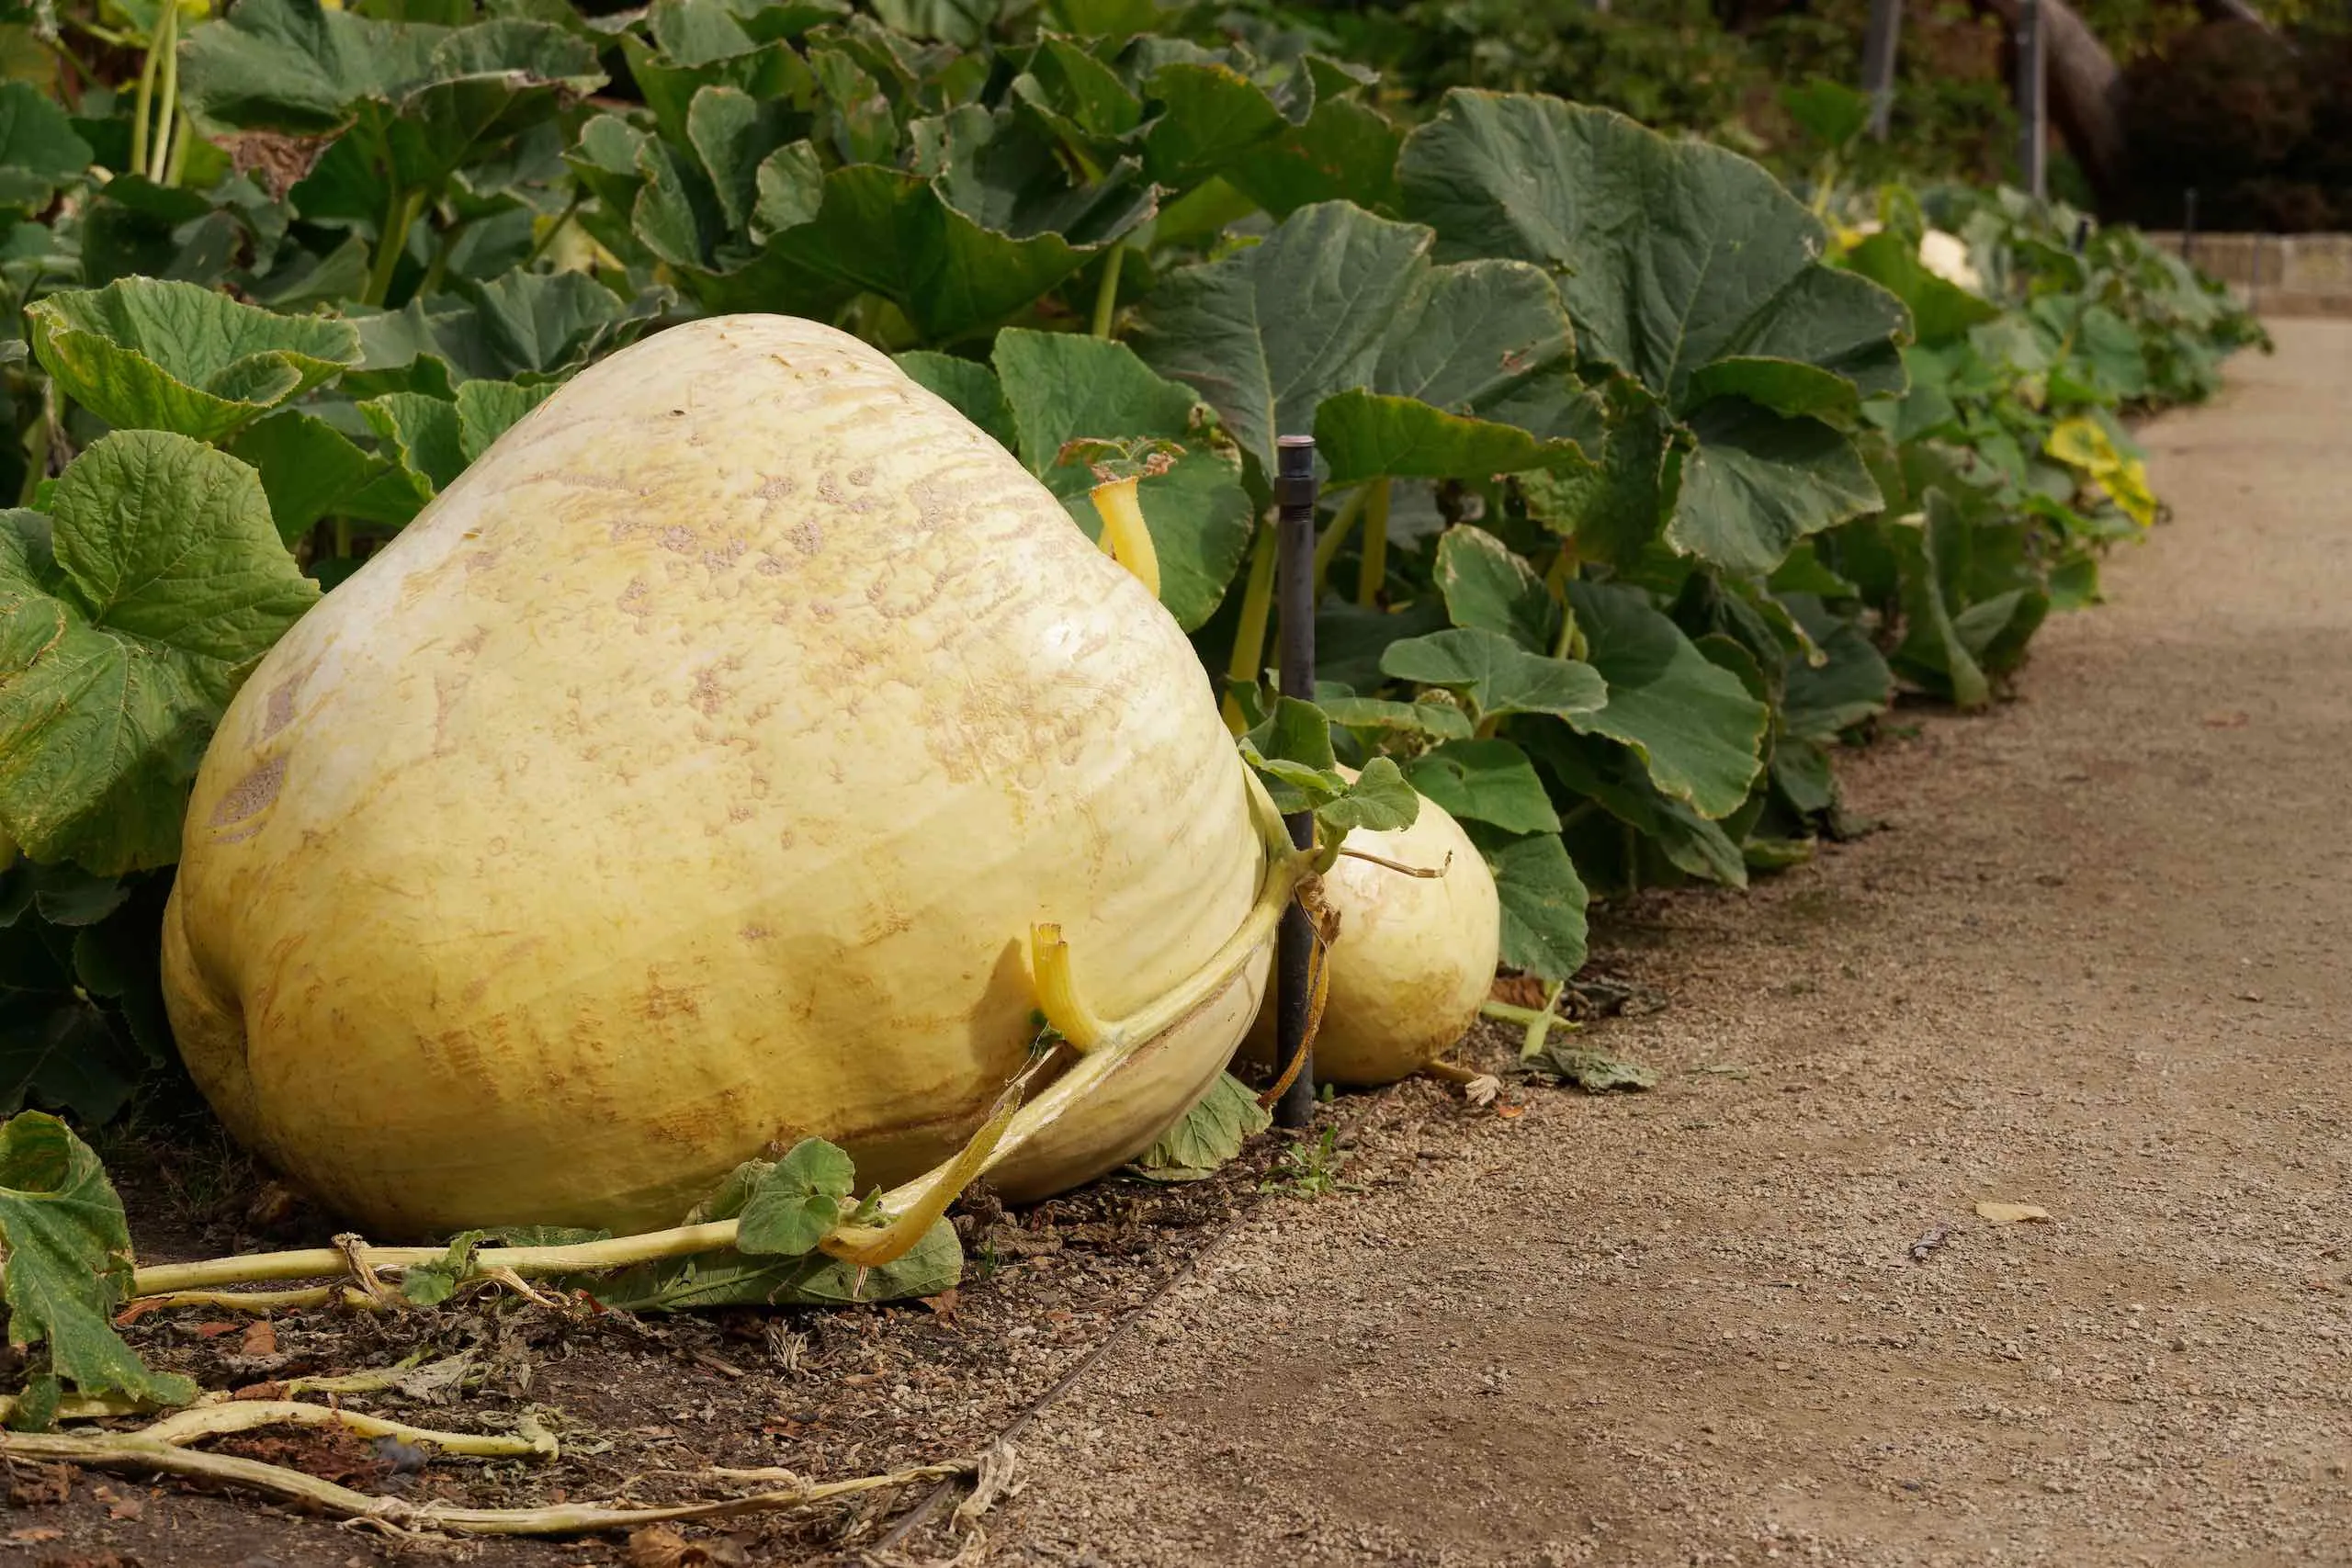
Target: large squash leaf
[[141, 354], [1690, 269], [1340, 323], [129, 616], [410, 102], [1060, 386], [1692, 723]]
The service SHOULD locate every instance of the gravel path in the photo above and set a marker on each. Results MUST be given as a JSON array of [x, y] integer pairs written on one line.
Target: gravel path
[[2093, 962]]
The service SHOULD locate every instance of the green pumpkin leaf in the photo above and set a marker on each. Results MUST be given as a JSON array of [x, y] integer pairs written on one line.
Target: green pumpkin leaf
[[415, 101], [69, 1262], [128, 619], [531, 326], [798, 1200], [1207, 1137], [1294, 732], [1498, 675], [1337, 301], [1486, 585], [424, 432], [486, 410], [143, 355], [1690, 269], [1692, 723], [307, 467], [985, 226], [1345, 152], [1609, 774], [1439, 720], [1942, 311], [1754, 484], [1209, 114], [1672, 254], [1378, 800], [968, 386], [1851, 684], [1061, 387], [1542, 902], [60, 1049], [38, 148], [1484, 781]]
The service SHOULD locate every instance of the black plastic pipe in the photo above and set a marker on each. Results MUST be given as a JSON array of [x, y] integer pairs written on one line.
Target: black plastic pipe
[[1294, 587]]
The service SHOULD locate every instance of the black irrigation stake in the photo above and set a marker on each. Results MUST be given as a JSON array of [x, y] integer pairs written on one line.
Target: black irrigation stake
[[2082, 234], [1295, 949]]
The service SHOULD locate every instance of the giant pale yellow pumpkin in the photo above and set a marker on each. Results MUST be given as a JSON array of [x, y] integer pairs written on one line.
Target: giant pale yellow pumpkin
[[686, 781]]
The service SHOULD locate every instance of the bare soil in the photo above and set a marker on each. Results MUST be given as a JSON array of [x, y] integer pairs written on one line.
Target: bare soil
[[2094, 961], [2090, 961]]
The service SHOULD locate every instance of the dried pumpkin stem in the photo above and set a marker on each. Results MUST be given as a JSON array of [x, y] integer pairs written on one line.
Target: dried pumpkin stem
[[245, 1414], [138, 1452]]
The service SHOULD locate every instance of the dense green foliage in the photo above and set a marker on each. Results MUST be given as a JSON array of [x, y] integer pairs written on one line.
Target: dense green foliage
[[2259, 123], [1648, 484]]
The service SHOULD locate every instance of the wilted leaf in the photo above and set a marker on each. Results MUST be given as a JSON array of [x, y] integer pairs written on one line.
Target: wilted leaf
[[1208, 1136], [1595, 1072], [68, 1262]]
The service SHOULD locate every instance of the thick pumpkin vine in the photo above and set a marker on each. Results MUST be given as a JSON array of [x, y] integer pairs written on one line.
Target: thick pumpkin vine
[[1648, 486]]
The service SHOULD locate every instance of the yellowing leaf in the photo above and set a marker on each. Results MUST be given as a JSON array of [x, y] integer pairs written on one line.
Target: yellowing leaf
[[2012, 1213], [2081, 443], [2129, 486]]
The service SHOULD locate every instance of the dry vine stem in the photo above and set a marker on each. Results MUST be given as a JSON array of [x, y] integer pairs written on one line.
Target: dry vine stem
[[1104, 1046], [139, 1451]]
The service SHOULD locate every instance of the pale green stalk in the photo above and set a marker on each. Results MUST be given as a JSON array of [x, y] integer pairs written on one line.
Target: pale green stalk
[[1250, 637], [1106, 295], [393, 242], [1327, 548], [167, 43], [1373, 574]]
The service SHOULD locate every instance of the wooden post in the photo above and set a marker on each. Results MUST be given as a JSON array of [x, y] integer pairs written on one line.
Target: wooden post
[[1878, 63], [2033, 101]]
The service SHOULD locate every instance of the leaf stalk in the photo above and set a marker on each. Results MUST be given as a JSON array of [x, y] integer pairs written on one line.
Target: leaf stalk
[[1372, 572]]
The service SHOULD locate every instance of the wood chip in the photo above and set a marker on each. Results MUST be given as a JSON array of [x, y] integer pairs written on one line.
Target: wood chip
[[2012, 1213]]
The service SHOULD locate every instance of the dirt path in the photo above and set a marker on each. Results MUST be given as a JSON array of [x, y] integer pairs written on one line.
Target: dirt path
[[2095, 963]]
